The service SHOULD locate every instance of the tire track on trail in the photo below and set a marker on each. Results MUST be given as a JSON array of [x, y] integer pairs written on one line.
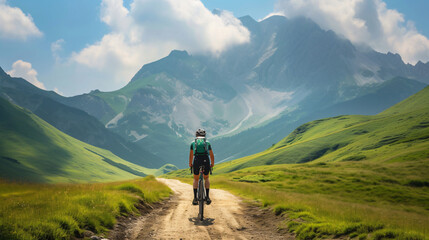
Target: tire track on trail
[[226, 218]]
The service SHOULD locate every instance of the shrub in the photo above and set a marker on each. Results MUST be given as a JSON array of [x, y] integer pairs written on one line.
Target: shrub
[[418, 183], [354, 158], [129, 187], [279, 209], [362, 236]]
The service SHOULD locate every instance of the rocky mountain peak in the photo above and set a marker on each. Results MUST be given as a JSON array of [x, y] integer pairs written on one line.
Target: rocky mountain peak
[[396, 58], [3, 73], [216, 11], [178, 54], [247, 20]]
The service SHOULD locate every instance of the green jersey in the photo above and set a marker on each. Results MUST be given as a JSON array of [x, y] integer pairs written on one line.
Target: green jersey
[[201, 146]]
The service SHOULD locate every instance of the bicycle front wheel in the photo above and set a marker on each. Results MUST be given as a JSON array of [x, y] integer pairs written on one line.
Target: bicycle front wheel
[[201, 201]]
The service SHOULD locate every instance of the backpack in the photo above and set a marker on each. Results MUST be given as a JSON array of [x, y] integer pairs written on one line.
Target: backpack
[[200, 146]]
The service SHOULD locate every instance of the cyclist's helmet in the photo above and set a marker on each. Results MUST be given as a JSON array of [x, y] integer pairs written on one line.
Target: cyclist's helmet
[[200, 132]]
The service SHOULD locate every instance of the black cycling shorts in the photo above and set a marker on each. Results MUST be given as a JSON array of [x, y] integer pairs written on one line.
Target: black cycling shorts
[[201, 160]]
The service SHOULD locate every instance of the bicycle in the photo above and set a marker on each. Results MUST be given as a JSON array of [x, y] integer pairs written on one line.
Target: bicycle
[[201, 193]]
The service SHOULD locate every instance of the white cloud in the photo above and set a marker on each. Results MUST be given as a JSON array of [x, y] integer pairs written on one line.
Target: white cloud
[[363, 21], [15, 24], [56, 48], [270, 15], [25, 70], [150, 29]]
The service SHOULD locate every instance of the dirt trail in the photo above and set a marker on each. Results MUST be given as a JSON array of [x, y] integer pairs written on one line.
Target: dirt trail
[[225, 218]]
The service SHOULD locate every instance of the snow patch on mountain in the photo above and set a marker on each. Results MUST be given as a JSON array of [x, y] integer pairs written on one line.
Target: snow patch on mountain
[[137, 136], [249, 114], [365, 80], [114, 122], [268, 52], [157, 118], [267, 103], [262, 105], [124, 98], [205, 110]]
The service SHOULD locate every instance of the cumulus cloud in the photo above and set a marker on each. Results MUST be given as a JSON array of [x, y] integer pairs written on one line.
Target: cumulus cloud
[[150, 29], [363, 21], [25, 70], [56, 48], [15, 24]]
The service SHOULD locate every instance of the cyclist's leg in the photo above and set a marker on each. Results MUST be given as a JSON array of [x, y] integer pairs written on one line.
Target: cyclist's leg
[[195, 188], [207, 181], [196, 170], [195, 185], [207, 185], [196, 176], [206, 172]]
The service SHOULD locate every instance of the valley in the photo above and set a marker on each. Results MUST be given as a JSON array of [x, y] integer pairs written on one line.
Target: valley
[[314, 136], [251, 96], [358, 176], [32, 150]]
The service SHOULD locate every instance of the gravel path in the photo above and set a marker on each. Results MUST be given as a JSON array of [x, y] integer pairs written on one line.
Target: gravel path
[[226, 218]]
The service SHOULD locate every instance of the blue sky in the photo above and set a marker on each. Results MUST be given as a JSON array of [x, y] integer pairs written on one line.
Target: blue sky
[[83, 29], [258, 9], [416, 11]]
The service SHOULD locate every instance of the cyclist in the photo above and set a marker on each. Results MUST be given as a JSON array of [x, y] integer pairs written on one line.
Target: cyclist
[[198, 156]]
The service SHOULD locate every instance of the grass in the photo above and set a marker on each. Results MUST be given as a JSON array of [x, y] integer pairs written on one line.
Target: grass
[[63, 211], [118, 100], [360, 177], [33, 150], [350, 138], [400, 133], [361, 199]]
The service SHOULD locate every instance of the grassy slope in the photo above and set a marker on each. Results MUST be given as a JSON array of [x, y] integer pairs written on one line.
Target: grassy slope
[[368, 175], [397, 134], [33, 150], [61, 211], [364, 199], [117, 99]]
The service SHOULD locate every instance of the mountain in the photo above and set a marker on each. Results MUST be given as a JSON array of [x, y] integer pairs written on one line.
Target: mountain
[[375, 101], [397, 134], [49, 106], [165, 101], [327, 76], [252, 95], [371, 169], [33, 150]]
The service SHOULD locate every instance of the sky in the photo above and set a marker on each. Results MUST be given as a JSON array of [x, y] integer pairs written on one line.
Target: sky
[[75, 46]]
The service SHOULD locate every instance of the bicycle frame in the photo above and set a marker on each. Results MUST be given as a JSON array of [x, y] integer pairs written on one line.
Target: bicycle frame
[[201, 193]]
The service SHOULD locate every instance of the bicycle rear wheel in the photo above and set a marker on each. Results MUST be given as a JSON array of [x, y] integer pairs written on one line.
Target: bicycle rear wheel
[[201, 195]]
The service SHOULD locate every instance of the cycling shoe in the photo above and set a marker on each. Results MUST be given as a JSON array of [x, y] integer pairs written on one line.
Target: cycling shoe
[[208, 201], [195, 202]]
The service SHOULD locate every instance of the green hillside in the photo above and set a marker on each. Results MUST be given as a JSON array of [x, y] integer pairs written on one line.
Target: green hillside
[[33, 150], [398, 134], [347, 177], [71, 116]]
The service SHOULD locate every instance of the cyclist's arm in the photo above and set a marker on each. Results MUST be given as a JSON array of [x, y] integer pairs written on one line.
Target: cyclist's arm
[[211, 158], [191, 157]]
